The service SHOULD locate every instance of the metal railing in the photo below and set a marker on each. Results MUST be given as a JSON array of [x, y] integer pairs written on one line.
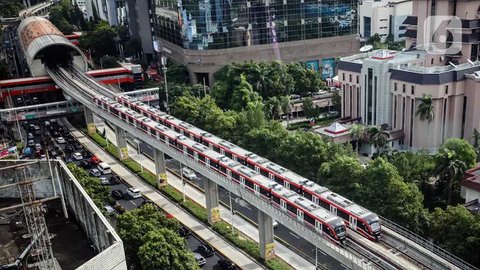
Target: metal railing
[[428, 245]]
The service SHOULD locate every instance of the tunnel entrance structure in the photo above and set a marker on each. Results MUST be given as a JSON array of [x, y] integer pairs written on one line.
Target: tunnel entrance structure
[[43, 44]]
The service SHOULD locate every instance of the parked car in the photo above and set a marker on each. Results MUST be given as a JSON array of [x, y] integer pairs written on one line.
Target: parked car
[[109, 209], [95, 172], [226, 264], [275, 224], [78, 146], [104, 181], [206, 250], [117, 194], [189, 173], [38, 146], [184, 231], [31, 143], [30, 136], [60, 140], [77, 156], [200, 259]]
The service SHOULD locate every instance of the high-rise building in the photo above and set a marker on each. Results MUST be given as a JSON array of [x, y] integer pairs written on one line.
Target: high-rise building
[[205, 35], [440, 61]]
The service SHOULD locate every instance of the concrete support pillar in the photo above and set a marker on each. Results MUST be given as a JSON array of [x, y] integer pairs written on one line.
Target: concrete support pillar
[[121, 143], [266, 236], [91, 129], [211, 196], [160, 169]]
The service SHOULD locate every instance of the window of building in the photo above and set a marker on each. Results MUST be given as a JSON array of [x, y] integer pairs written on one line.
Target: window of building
[[343, 76], [431, 61], [395, 87], [350, 77], [413, 90], [358, 79], [446, 89], [403, 88]]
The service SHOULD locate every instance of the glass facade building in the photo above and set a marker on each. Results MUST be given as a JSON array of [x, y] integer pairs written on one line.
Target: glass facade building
[[220, 24]]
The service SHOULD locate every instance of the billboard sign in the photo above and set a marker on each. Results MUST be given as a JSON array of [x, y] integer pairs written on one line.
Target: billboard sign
[[328, 68], [313, 65]]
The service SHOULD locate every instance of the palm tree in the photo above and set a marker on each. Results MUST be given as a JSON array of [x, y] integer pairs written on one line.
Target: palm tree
[[377, 137], [449, 169], [476, 142], [426, 111], [357, 132], [285, 105]]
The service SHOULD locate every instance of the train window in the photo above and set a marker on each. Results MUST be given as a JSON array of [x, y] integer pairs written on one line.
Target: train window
[[180, 147], [309, 219], [214, 164], [243, 161], [307, 195], [264, 172], [249, 183], [291, 208], [223, 169], [216, 149], [201, 158], [196, 139], [228, 154], [190, 151], [264, 192], [161, 136], [251, 166], [324, 204], [296, 189], [276, 199], [361, 225], [235, 176], [342, 214], [279, 180], [326, 229], [177, 129]]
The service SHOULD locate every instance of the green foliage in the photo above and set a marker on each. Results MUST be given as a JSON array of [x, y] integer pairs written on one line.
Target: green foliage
[[133, 226], [132, 165], [463, 150], [309, 110], [164, 249], [177, 74], [67, 17], [305, 80], [457, 230], [413, 167], [383, 190], [10, 8], [341, 175], [450, 169], [377, 137], [112, 150], [99, 140], [100, 41], [91, 185], [4, 73], [108, 61]]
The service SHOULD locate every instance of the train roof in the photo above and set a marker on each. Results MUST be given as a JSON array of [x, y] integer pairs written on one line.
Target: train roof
[[262, 180], [345, 203], [257, 159], [228, 145]]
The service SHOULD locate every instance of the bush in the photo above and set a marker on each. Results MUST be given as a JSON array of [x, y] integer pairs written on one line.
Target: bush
[[195, 209], [113, 151], [149, 177], [132, 165], [99, 140]]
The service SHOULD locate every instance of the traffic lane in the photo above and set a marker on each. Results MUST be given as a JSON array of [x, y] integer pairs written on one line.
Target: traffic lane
[[192, 244], [127, 202]]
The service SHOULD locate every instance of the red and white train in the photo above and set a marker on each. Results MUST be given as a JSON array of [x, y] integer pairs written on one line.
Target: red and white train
[[356, 217], [312, 215]]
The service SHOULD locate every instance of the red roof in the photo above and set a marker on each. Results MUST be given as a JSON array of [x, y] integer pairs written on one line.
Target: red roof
[[472, 178]]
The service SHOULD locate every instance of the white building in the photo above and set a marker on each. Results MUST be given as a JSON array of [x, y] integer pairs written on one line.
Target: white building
[[384, 17], [111, 11]]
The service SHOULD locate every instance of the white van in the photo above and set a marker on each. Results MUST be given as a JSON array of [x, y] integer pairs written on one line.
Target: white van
[[104, 168], [189, 173], [134, 193]]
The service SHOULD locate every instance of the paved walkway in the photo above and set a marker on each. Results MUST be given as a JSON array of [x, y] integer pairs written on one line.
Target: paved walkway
[[286, 254], [224, 247]]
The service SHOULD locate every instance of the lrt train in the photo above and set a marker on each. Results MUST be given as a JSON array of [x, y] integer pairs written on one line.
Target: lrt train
[[356, 217], [312, 215]]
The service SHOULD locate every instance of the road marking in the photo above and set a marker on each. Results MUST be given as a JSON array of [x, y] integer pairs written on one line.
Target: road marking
[[133, 202], [320, 251], [294, 235], [344, 266]]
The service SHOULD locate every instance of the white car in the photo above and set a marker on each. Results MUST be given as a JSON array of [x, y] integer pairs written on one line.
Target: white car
[[60, 140], [110, 210], [189, 173], [77, 156], [275, 224], [134, 193], [104, 181], [200, 259]]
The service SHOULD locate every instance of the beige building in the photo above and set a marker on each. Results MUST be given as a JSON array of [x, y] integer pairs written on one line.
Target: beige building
[[385, 87]]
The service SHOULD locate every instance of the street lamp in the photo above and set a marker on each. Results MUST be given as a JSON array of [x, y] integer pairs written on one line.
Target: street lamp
[[163, 59], [232, 212]]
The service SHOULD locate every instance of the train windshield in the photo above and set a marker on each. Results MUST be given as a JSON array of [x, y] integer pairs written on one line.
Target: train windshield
[[374, 222], [340, 230], [375, 226]]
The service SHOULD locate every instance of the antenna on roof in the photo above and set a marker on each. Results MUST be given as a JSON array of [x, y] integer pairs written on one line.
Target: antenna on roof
[[471, 62], [451, 64]]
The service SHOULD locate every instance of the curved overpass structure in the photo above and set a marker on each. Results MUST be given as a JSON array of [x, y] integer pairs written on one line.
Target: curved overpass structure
[[43, 44]]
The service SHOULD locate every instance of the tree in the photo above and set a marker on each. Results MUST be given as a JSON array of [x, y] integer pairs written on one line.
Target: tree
[[4, 73], [243, 95], [10, 8], [357, 132], [309, 110], [285, 106], [377, 137], [458, 231], [450, 169], [134, 225], [305, 80], [100, 41], [426, 111], [272, 108], [476, 142], [383, 191], [108, 61], [341, 175], [463, 150], [164, 249]]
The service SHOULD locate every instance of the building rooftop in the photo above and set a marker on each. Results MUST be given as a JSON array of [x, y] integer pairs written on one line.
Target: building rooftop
[[472, 178]]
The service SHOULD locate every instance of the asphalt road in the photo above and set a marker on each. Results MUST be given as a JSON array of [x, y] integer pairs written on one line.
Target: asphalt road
[[249, 211]]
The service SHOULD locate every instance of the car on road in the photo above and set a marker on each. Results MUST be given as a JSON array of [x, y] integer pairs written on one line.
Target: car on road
[[189, 173], [184, 232], [109, 209], [200, 259], [226, 264], [104, 181], [30, 136], [117, 194], [134, 193], [115, 179], [275, 224], [206, 250], [38, 147], [94, 160], [78, 146], [60, 140], [77, 156], [85, 164], [31, 143], [95, 172]]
